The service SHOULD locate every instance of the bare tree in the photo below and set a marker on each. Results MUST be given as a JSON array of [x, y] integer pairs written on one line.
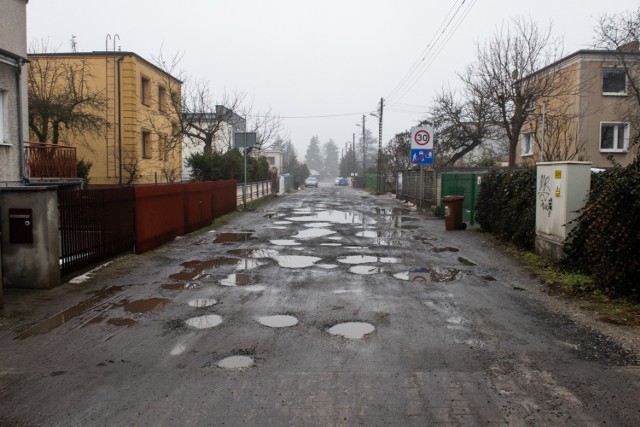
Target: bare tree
[[619, 33], [60, 97], [268, 128], [461, 122], [511, 54]]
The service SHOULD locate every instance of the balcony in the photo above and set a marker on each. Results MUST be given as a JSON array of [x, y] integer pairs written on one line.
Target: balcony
[[48, 161]]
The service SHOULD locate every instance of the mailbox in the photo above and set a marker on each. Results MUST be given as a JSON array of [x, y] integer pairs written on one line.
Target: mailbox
[[21, 226]]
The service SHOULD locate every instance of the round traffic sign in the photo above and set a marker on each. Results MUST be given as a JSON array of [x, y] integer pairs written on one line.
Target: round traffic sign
[[422, 137]]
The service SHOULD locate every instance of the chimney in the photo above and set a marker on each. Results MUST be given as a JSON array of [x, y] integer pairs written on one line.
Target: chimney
[[633, 46]]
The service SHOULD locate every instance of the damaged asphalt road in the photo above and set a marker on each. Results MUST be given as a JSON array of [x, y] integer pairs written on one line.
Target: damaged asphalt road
[[329, 306]]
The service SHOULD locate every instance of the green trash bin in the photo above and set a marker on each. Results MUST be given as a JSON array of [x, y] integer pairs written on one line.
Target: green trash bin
[[453, 212]]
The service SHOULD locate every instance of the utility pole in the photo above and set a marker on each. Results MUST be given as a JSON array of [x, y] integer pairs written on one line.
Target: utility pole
[[380, 149], [364, 152], [354, 154]]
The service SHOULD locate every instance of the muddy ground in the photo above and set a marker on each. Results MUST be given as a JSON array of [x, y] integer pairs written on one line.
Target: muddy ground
[[329, 306]]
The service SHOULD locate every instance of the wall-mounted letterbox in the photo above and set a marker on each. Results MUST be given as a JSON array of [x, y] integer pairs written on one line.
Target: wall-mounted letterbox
[[20, 226]]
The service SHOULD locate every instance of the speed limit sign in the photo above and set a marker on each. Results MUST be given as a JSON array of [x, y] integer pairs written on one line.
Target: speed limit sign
[[422, 138]]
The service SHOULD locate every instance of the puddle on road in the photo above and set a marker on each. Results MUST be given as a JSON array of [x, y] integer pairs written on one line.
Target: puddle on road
[[296, 261], [488, 278], [327, 266], [198, 267], [312, 233], [365, 269], [119, 321], [447, 249], [145, 305], [233, 237], [180, 286], [204, 322], [70, 313], [335, 217], [365, 259], [278, 321], [352, 330], [318, 224], [236, 362], [392, 211], [254, 288], [242, 253], [430, 274], [202, 302], [282, 222], [285, 242], [368, 234], [236, 279], [331, 244], [248, 264]]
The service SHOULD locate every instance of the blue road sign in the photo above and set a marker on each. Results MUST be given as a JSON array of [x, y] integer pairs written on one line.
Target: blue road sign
[[421, 157]]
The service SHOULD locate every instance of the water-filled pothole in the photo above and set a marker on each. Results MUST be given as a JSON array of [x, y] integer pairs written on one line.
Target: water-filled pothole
[[120, 321], [198, 267], [285, 242], [145, 305], [352, 330], [232, 237], [296, 261], [202, 302], [204, 322], [278, 321], [312, 233], [236, 279], [180, 286], [236, 362], [447, 249], [364, 259], [430, 274], [365, 269]]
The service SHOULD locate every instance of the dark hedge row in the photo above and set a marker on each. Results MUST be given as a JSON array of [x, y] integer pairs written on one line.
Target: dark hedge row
[[606, 240], [506, 205]]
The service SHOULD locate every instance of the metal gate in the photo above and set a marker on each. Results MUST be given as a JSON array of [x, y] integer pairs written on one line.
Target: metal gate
[[95, 224]]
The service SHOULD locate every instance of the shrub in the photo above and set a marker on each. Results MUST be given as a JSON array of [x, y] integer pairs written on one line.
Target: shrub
[[506, 205], [606, 240]]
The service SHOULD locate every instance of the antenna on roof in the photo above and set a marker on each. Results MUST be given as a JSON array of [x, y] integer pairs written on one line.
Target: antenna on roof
[[74, 44]]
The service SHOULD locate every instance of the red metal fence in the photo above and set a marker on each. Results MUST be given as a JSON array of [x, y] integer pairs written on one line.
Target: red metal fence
[[167, 211], [95, 224], [50, 161]]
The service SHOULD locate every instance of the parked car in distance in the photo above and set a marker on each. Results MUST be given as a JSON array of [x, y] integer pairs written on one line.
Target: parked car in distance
[[343, 181], [311, 181]]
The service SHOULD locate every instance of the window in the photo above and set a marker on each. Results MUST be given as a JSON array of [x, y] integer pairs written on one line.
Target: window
[[144, 90], [4, 114], [614, 137], [614, 81], [146, 145], [527, 144], [162, 95], [271, 160]]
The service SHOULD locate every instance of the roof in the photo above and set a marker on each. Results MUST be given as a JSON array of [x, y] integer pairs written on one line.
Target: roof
[[105, 54], [17, 59], [582, 52]]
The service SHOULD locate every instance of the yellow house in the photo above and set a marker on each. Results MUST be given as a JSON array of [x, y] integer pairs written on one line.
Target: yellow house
[[588, 113], [140, 142]]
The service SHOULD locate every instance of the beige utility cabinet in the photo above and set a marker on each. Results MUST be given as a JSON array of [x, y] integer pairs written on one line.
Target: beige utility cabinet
[[562, 190]]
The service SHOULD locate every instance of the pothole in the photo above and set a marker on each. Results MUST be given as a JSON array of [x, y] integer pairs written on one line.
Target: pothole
[[120, 321], [236, 279], [296, 261], [352, 330], [202, 302], [317, 224], [366, 259], [145, 305], [278, 321], [204, 322], [232, 237], [198, 267], [365, 269], [180, 286], [430, 274], [236, 362], [465, 261], [285, 242], [312, 233], [447, 249]]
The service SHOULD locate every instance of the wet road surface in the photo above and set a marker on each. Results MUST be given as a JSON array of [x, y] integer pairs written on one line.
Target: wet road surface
[[329, 306]]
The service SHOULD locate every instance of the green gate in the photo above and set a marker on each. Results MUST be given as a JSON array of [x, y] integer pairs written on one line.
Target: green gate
[[463, 184]]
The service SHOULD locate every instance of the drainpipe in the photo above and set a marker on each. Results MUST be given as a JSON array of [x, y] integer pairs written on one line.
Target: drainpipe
[[21, 62], [119, 121]]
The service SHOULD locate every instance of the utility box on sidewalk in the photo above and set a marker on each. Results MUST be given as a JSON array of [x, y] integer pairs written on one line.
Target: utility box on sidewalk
[[562, 189]]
